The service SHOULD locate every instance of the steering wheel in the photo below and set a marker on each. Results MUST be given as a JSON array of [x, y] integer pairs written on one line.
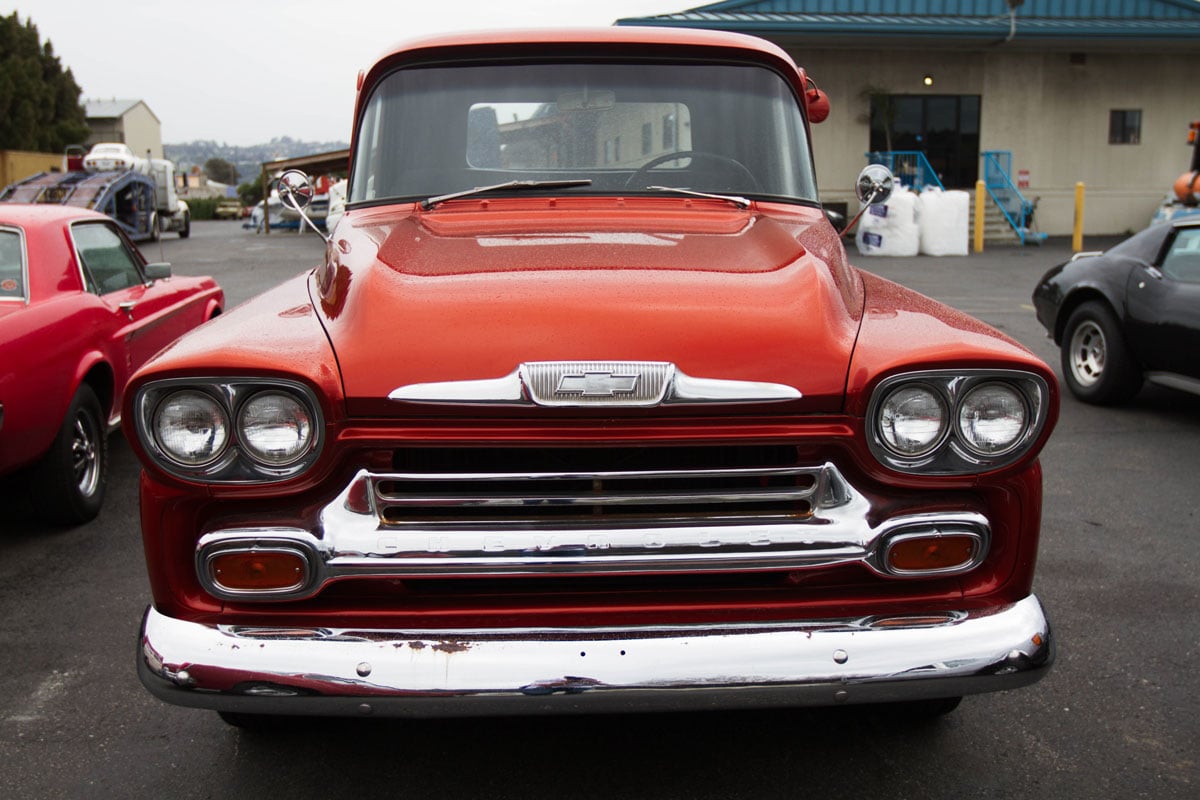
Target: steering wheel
[[641, 177]]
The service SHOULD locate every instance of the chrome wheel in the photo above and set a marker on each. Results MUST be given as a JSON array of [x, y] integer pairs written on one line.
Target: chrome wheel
[[85, 462], [1089, 351], [1097, 365], [68, 482]]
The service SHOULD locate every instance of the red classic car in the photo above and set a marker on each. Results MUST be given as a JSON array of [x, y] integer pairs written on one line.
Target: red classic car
[[80, 309], [585, 409]]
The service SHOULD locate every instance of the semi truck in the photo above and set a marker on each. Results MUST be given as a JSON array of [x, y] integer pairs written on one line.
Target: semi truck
[[142, 199]]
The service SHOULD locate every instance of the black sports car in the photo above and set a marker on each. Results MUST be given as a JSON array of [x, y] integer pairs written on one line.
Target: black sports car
[[1128, 315]]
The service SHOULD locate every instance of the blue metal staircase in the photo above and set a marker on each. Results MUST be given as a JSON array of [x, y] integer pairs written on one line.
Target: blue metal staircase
[[1017, 211], [910, 167]]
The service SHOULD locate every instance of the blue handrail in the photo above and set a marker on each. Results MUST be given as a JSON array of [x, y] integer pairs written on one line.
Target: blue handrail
[[910, 167], [1017, 211]]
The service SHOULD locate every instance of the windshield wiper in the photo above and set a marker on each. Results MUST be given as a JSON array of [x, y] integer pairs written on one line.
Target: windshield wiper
[[740, 202], [563, 184]]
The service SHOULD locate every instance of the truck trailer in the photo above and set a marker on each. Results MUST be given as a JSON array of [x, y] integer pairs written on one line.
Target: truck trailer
[[144, 204]]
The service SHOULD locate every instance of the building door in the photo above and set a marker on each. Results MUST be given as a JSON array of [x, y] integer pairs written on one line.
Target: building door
[[943, 126]]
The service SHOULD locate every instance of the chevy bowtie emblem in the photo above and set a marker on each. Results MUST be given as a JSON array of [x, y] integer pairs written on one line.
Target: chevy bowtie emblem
[[597, 384]]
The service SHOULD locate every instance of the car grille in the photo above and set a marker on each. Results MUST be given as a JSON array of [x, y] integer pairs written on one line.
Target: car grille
[[618, 512], [529, 487]]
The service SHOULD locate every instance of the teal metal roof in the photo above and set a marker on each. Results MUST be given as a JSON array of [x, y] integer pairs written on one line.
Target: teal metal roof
[[1113, 20]]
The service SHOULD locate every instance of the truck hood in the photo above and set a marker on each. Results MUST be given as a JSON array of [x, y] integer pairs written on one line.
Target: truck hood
[[471, 291]]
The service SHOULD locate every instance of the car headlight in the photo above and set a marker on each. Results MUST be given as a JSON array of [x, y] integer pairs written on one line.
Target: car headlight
[[991, 418], [952, 422], [229, 430], [912, 420], [275, 428], [191, 428]]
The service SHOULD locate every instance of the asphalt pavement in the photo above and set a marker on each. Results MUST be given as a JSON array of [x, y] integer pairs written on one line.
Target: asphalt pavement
[[1116, 717]]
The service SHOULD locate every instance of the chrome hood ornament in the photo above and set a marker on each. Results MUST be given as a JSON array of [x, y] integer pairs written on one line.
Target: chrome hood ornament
[[588, 384]]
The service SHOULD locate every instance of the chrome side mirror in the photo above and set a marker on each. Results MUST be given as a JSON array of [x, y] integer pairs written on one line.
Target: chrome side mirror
[[295, 189], [874, 185], [296, 192]]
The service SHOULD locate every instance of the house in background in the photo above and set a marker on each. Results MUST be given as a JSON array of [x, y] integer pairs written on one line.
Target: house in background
[[1075, 90], [195, 185], [128, 121]]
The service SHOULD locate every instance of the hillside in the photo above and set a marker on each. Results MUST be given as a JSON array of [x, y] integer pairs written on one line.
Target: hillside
[[249, 159]]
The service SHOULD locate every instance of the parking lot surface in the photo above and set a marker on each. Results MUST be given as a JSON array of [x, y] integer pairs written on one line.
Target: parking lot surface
[[1118, 573]]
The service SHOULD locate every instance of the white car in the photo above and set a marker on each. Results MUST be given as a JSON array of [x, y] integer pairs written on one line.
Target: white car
[[337, 205], [110, 156]]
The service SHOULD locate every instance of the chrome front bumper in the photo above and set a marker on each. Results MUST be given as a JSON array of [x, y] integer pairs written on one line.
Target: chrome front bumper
[[320, 671]]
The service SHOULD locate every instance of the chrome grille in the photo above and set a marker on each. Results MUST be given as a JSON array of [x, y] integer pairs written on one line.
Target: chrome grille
[[497, 511], [617, 512], [624, 486], [414, 498]]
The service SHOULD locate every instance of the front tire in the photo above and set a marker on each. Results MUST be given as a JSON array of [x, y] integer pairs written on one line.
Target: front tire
[[69, 481], [186, 230], [1096, 362]]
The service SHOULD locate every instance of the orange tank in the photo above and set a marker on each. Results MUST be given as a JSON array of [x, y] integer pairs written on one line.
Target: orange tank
[[1187, 188]]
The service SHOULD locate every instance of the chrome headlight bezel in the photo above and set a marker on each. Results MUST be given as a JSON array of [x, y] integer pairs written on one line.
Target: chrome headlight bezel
[[236, 463], [954, 454]]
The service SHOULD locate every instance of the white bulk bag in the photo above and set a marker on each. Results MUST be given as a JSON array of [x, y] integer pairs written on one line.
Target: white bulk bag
[[890, 229], [944, 221]]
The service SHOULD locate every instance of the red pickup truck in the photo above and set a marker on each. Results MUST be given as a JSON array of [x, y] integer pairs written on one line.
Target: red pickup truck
[[584, 409]]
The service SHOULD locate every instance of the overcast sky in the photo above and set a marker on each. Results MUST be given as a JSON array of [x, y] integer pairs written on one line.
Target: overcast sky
[[245, 71]]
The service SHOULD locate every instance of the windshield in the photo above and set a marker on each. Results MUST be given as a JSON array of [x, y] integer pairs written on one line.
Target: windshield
[[628, 128]]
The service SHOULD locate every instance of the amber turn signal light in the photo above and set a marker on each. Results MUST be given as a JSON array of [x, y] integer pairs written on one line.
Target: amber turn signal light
[[258, 570], [934, 553]]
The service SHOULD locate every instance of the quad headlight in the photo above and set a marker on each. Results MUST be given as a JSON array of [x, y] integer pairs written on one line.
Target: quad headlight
[[275, 428], [229, 431], [190, 427], [913, 419], [950, 422], [991, 418]]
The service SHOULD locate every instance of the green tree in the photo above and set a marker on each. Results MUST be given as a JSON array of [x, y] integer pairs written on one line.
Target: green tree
[[882, 110], [39, 100], [251, 193], [221, 171]]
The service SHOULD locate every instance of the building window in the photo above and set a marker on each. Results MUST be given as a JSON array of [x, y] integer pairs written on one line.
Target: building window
[[668, 137], [1125, 126], [612, 150], [647, 137]]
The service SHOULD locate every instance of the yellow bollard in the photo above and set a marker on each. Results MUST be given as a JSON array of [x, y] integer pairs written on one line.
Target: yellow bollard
[[1077, 235], [980, 206]]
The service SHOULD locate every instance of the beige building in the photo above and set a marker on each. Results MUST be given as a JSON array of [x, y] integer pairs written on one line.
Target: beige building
[[536, 136], [1074, 98], [128, 121], [195, 185]]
